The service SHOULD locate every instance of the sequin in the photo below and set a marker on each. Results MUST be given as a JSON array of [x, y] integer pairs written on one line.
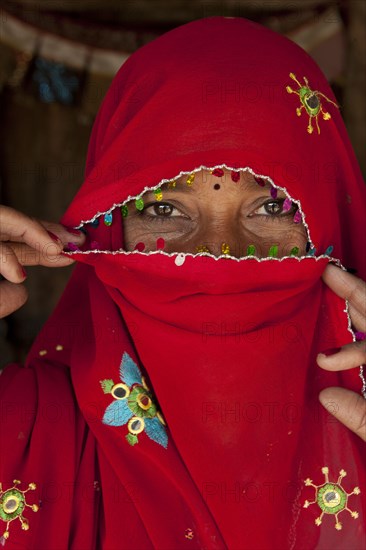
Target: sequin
[[225, 248], [108, 219], [312, 251], [189, 534], [95, 222], [273, 251], [273, 192], [124, 210], [251, 250], [158, 194], [59, 347], [287, 205], [297, 217], [202, 249], [190, 179], [308, 246], [218, 172], [180, 259], [329, 250], [139, 203], [72, 247], [360, 336], [160, 243], [172, 184], [140, 247], [294, 251], [43, 352], [235, 176], [217, 186], [260, 181]]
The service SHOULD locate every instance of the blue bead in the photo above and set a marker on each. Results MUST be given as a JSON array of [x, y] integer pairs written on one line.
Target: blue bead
[[108, 218]]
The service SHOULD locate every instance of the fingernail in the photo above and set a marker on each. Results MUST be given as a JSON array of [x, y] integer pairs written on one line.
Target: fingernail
[[72, 247], [72, 231], [53, 236], [23, 272], [330, 351]]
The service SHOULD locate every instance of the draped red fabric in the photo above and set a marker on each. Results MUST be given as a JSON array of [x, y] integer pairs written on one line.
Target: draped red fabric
[[171, 400]]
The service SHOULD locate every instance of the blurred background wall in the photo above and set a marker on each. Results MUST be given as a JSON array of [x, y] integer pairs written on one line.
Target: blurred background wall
[[57, 59]]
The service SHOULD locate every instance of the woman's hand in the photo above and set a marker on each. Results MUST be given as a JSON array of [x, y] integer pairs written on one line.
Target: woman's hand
[[26, 241], [347, 406]]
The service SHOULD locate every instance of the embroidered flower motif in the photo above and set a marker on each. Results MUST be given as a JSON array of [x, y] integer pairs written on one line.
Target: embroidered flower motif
[[12, 505], [133, 405], [331, 497], [310, 101]]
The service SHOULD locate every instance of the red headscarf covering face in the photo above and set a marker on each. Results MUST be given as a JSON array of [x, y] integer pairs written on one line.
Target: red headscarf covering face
[[195, 421]]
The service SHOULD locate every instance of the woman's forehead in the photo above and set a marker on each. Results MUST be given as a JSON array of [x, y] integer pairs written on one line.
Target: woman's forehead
[[245, 182]]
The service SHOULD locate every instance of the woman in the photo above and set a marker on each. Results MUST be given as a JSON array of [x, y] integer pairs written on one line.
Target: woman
[[171, 401]]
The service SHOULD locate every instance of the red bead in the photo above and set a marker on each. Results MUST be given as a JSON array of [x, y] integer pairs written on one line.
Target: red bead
[[218, 172], [160, 243], [260, 181], [235, 176], [140, 247]]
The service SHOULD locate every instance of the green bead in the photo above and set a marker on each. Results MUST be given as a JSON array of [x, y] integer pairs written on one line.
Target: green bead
[[294, 251], [139, 203], [124, 210], [251, 250], [273, 251]]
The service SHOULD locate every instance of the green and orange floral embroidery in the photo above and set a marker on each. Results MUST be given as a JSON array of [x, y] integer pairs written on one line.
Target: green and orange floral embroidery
[[310, 101], [331, 498]]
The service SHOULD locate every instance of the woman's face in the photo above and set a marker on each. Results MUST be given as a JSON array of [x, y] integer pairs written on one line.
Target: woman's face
[[215, 215]]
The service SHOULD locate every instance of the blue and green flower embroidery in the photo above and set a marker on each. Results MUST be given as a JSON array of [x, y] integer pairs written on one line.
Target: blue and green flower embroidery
[[133, 405]]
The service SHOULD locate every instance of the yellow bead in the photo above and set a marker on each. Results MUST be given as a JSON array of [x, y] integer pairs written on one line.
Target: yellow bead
[[225, 248], [190, 179]]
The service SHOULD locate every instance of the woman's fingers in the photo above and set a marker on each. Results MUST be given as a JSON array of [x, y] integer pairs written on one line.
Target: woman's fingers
[[45, 239], [348, 407], [347, 286], [27, 241], [12, 297], [10, 268], [48, 256], [347, 357]]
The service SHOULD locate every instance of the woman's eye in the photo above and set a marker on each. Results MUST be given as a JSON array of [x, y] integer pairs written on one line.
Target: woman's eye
[[275, 208], [162, 210]]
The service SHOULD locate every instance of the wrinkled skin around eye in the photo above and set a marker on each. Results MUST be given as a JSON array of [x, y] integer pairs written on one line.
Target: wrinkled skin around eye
[[215, 214]]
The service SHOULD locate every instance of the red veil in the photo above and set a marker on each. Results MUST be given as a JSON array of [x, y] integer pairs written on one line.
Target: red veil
[[171, 400]]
